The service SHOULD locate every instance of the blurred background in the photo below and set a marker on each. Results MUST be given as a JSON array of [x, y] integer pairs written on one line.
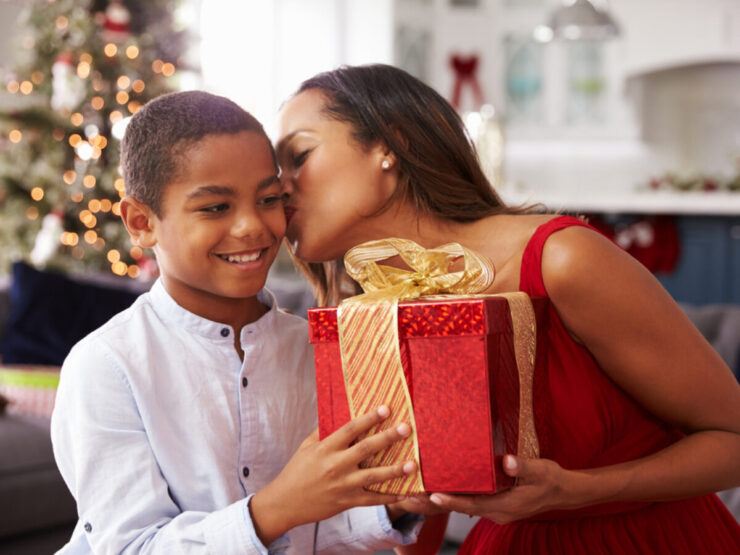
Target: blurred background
[[624, 111]]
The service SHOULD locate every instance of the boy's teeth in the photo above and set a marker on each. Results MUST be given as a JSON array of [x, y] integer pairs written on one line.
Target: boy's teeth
[[242, 257]]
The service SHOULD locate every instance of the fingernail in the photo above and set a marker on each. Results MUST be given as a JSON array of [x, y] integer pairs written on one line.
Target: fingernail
[[509, 462], [403, 429], [383, 411], [416, 500], [409, 467], [436, 499]]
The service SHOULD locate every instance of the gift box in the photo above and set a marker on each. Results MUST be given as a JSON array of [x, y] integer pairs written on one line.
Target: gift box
[[29, 389], [461, 372]]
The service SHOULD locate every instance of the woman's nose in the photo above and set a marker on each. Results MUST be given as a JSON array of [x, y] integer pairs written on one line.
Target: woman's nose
[[286, 181]]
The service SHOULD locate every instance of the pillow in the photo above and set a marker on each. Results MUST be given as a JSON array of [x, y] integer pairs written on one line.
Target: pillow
[[50, 312]]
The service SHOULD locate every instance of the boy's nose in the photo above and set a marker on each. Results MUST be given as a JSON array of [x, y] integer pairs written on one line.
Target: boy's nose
[[248, 224]]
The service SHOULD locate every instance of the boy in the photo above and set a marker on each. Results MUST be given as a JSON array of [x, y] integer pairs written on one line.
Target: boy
[[173, 420]]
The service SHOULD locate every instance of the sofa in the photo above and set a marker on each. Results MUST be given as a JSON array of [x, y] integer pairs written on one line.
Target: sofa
[[42, 315]]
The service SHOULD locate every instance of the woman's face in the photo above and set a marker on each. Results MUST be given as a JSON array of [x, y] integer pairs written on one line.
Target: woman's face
[[336, 185]]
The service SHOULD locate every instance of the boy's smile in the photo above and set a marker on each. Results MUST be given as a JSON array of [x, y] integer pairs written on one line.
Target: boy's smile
[[221, 225]]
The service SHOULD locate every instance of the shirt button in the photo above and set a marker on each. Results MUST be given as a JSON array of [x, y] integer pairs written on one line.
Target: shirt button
[[245, 381], [88, 527], [245, 471], [225, 332]]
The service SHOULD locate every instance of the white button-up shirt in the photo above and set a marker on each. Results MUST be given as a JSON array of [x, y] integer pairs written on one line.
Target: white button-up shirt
[[162, 434]]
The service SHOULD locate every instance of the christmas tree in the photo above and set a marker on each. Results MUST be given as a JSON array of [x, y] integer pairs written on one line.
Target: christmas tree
[[85, 67]]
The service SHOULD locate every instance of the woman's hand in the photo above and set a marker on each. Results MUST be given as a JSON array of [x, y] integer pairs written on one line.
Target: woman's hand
[[540, 487], [323, 478]]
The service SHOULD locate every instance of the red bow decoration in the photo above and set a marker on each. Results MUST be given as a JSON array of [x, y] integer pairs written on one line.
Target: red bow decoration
[[465, 69]]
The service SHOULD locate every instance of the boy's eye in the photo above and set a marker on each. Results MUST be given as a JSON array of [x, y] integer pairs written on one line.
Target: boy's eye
[[215, 208], [272, 200]]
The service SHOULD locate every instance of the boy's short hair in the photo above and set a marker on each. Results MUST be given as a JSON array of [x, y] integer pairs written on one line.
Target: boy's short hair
[[161, 131]]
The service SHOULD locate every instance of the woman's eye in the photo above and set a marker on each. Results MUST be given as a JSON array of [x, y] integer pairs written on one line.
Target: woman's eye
[[299, 158], [215, 208]]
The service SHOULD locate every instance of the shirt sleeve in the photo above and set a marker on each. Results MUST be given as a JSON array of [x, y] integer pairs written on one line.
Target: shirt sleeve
[[366, 529], [107, 462]]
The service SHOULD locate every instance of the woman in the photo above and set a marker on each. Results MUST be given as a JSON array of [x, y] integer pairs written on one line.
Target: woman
[[645, 418]]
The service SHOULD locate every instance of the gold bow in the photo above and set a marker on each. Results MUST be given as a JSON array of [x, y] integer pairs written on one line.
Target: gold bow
[[430, 270], [368, 335]]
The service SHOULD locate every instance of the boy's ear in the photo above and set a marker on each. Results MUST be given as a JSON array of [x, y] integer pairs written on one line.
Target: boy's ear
[[140, 221]]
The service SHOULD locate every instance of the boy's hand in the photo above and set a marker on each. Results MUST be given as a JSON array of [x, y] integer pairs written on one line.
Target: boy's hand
[[419, 504], [323, 478]]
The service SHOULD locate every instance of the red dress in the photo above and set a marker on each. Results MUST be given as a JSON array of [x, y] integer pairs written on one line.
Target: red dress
[[590, 422]]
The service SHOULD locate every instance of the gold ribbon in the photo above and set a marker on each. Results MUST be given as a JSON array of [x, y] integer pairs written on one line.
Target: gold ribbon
[[369, 344]]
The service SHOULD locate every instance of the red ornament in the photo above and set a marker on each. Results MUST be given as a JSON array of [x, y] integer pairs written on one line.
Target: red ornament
[[465, 73], [116, 21]]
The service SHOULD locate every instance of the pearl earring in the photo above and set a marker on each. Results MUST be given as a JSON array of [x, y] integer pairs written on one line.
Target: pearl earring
[[385, 164]]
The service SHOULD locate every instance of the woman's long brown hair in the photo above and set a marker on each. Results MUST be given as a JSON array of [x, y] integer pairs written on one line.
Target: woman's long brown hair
[[438, 168]]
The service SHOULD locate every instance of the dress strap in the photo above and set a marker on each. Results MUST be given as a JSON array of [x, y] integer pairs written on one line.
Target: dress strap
[[530, 277]]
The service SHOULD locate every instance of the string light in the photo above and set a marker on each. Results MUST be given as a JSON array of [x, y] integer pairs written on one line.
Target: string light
[[97, 102], [32, 213], [99, 244], [15, 136], [105, 205], [86, 57], [157, 66], [69, 177], [70, 239], [122, 97], [13, 87], [133, 271], [83, 70], [37, 193], [62, 22], [168, 69], [76, 196], [78, 252], [134, 106], [74, 139], [113, 256], [116, 208], [132, 52], [115, 116], [119, 268], [26, 87], [94, 205], [90, 236], [136, 252], [76, 119], [58, 134], [84, 150], [138, 86], [37, 77], [89, 181], [123, 82], [110, 49]]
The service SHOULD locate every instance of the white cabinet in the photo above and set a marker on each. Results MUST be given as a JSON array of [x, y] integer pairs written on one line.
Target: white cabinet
[[661, 34]]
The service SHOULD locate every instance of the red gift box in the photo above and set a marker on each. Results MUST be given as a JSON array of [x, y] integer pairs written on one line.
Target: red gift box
[[459, 364]]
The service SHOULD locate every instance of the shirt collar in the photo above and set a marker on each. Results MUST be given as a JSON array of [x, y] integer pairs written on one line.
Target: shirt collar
[[167, 308]]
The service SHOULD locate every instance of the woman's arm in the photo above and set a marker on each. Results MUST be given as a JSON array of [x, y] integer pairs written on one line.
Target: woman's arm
[[642, 340]]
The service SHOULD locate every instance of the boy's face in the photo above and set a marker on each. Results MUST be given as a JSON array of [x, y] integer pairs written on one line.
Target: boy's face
[[222, 221]]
